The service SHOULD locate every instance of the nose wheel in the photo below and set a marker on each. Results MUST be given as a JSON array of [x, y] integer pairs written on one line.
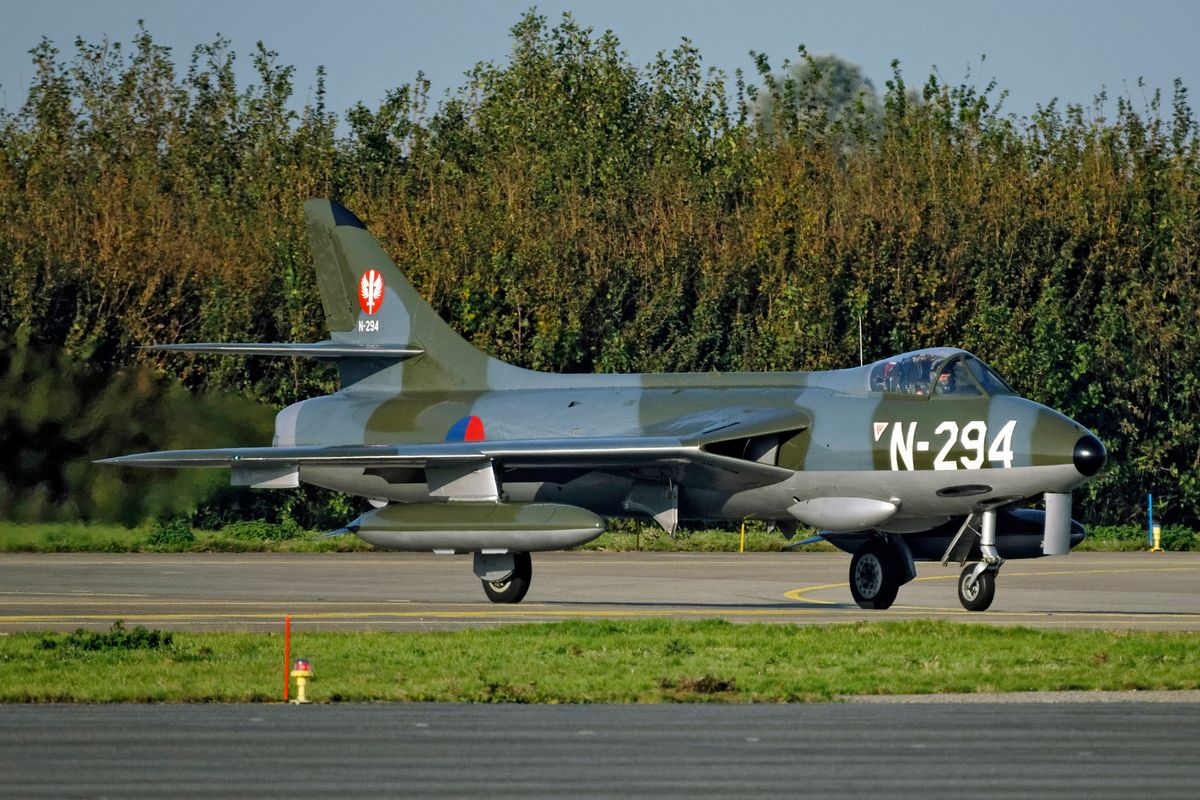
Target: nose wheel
[[977, 582], [976, 587]]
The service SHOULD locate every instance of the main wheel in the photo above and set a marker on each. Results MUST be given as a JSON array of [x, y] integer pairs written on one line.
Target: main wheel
[[874, 576], [513, 589], [979, 597]]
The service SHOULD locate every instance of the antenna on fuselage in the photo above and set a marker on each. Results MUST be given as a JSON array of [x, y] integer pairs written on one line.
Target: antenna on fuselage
[[860, 344]]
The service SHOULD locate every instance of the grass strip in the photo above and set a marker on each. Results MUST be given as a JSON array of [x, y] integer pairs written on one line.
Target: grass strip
[[68, 537], [257, 536], [645, 661], [241, 538]]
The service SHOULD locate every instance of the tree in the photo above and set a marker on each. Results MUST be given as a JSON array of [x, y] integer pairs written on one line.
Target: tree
[[818, 95]]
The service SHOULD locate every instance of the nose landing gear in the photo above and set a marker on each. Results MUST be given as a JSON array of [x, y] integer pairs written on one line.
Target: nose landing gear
[[977, 582]]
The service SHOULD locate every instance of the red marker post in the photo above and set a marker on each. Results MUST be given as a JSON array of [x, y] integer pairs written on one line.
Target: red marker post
[[287, 655]]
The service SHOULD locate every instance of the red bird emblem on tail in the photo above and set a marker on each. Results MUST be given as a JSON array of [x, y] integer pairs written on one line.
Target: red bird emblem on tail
[[370, 291]]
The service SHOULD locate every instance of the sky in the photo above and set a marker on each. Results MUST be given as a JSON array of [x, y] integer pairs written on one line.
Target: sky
[[1038, 51]]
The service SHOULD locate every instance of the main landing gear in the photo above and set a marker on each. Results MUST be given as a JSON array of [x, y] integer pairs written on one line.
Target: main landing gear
[[877, 571], [873, 576], [505, 577]]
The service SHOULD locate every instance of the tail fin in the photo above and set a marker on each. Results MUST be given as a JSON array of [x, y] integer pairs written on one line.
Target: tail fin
[[368, 302]]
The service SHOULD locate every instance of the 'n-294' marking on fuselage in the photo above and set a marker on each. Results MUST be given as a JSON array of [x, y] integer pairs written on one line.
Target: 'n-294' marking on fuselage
[[971, 438]]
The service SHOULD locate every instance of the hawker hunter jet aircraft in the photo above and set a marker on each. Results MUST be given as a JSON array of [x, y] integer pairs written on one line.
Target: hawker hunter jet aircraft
[[924, 456]]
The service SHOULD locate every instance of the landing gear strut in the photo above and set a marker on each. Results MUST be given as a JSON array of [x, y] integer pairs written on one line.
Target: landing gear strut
[[511, 589], [977, 583]]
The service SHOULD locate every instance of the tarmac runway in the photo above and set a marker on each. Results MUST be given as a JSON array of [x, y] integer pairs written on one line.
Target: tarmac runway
[[396, 591], [1072, 750], [1118, 745]]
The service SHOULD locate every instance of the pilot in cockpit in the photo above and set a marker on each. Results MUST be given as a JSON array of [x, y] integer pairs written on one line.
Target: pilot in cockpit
[[955, 379], [946, 381]]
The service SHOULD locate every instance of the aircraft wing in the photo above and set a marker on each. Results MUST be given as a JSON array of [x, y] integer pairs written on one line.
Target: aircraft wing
[[415, 455], [590, 453]]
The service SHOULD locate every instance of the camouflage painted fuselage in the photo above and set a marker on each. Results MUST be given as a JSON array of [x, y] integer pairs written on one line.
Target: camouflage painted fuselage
[[839, 440]]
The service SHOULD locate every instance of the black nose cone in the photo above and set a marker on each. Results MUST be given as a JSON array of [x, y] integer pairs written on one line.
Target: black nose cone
[[1090, 455]]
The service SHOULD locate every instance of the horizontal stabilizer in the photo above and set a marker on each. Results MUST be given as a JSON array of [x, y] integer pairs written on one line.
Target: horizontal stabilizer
[[321, 351]]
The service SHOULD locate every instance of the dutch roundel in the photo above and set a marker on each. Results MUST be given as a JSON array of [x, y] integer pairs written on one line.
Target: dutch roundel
[[370, 291], [467, 429]]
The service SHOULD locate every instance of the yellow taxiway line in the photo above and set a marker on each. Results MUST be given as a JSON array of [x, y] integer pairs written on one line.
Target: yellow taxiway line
[[800, 594]]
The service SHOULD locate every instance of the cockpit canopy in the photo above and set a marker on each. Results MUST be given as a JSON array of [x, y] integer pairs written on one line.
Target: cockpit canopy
[[937, 371]]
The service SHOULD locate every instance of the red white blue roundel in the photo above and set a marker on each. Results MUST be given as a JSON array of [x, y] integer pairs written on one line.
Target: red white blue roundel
[[370, 291], [467, 429]]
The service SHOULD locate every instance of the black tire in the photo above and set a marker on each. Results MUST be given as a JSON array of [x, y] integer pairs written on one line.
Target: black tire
[[512, 590], [875, 576], [980, 597]]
